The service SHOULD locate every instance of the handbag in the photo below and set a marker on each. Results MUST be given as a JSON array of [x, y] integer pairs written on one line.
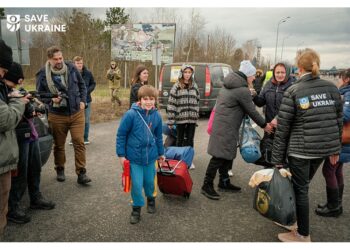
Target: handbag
[[275, 199], [345, 137], [249, 142], [211, 120]]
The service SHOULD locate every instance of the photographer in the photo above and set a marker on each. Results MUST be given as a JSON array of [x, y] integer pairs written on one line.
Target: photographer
[[11, 111], [66, 112], [29, 165]]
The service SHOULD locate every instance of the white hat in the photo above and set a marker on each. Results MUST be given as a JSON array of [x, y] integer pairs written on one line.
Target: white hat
[[247, 68]]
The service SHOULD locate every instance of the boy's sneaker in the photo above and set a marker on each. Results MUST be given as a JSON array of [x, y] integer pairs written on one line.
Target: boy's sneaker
[[293, 236], [192, 166], [230, 173], [70, 142], [86, 142], [151, 205], [209, 191]]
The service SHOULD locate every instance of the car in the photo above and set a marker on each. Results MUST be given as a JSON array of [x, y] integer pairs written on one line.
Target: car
[[208, 76]]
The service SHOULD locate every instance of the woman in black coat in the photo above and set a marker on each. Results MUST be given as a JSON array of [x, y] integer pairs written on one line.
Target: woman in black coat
[[271, 97]]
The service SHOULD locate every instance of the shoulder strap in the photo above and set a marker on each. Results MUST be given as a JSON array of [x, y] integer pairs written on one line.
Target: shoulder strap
[[145, 124]]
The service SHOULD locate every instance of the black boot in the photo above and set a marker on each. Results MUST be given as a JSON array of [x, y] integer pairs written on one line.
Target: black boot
[[151, 205], [39, 202], [209, 191], [60, 174], [135, 215], [332, 208], [18, 216], [341, 189], [83, 178], [226, 186]]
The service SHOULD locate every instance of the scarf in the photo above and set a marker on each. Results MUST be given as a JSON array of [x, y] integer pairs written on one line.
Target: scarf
[[62, 72]]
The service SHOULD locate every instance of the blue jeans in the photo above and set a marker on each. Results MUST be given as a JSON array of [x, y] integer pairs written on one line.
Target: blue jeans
[[87, 121], [142, 177], [28, 173]]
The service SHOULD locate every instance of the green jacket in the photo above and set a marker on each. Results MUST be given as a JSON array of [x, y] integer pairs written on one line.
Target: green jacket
[[114, 77], [11, 111]]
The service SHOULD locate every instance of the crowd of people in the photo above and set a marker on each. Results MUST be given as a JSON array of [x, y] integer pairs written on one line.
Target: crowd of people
[[303, 126]]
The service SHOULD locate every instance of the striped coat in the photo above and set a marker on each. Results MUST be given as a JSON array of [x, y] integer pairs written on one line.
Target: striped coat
[[183, 104]]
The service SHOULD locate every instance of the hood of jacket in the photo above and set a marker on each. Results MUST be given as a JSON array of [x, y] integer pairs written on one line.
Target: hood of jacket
[[344, 89], [235, 80]]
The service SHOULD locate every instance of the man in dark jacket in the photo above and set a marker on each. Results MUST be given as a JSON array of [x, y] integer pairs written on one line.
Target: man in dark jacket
[[66, 110], [309, 128], [90, 86], [233, 102], [11, 111]]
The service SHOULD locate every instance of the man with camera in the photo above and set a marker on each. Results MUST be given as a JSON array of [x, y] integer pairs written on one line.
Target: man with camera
[[66, 110], [11, 111], [29, 165]]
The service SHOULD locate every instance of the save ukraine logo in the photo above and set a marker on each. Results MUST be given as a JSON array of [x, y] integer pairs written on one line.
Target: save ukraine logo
[[33, 23]]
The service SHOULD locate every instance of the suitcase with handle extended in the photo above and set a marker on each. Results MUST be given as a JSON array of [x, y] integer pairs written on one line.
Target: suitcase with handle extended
[[174, 178]]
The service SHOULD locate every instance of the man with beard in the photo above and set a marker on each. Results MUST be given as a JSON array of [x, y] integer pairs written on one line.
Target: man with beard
[[66, 110]]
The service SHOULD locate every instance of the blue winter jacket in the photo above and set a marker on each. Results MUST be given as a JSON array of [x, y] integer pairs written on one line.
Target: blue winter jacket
[[135, 141], [76, 91], [89, 82], [345, 150]]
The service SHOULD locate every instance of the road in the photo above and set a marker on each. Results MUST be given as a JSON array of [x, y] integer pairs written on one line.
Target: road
[[100, 212]]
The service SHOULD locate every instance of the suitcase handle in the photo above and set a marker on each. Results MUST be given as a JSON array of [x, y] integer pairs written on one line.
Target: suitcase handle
[[171, 170]]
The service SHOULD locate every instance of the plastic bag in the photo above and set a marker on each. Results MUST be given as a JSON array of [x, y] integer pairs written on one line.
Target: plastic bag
[[249, 142], [275, 199]]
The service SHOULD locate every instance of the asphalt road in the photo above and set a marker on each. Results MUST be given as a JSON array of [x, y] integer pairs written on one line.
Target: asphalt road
[[100, 212]]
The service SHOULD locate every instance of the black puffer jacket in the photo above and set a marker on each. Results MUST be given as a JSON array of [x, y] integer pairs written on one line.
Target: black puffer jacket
[[309, 120], [271, 96]]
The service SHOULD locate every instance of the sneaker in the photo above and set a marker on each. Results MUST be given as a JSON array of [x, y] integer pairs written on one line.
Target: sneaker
[[60, 174], [209, 191], [293, 236], [41, 203], [135, 215], [151, 205], [289, 228], [83, 179], [192, 166], [70, 142], [18, 216], [86, 142], [230, 173]]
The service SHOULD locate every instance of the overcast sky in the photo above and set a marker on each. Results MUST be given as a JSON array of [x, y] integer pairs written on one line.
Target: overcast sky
[[327, 30]]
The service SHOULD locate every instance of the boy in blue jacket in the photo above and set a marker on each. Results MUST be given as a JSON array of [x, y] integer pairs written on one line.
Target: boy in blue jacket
[[139, 139]]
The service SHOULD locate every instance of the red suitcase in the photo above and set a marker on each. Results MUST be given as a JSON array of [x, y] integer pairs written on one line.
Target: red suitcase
[[174, 178]]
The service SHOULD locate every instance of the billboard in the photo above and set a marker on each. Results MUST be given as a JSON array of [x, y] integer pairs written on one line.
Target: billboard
[[135, 42]]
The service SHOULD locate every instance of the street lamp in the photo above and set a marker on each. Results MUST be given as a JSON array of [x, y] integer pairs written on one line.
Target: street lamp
[[283, 20], [283, 46]]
